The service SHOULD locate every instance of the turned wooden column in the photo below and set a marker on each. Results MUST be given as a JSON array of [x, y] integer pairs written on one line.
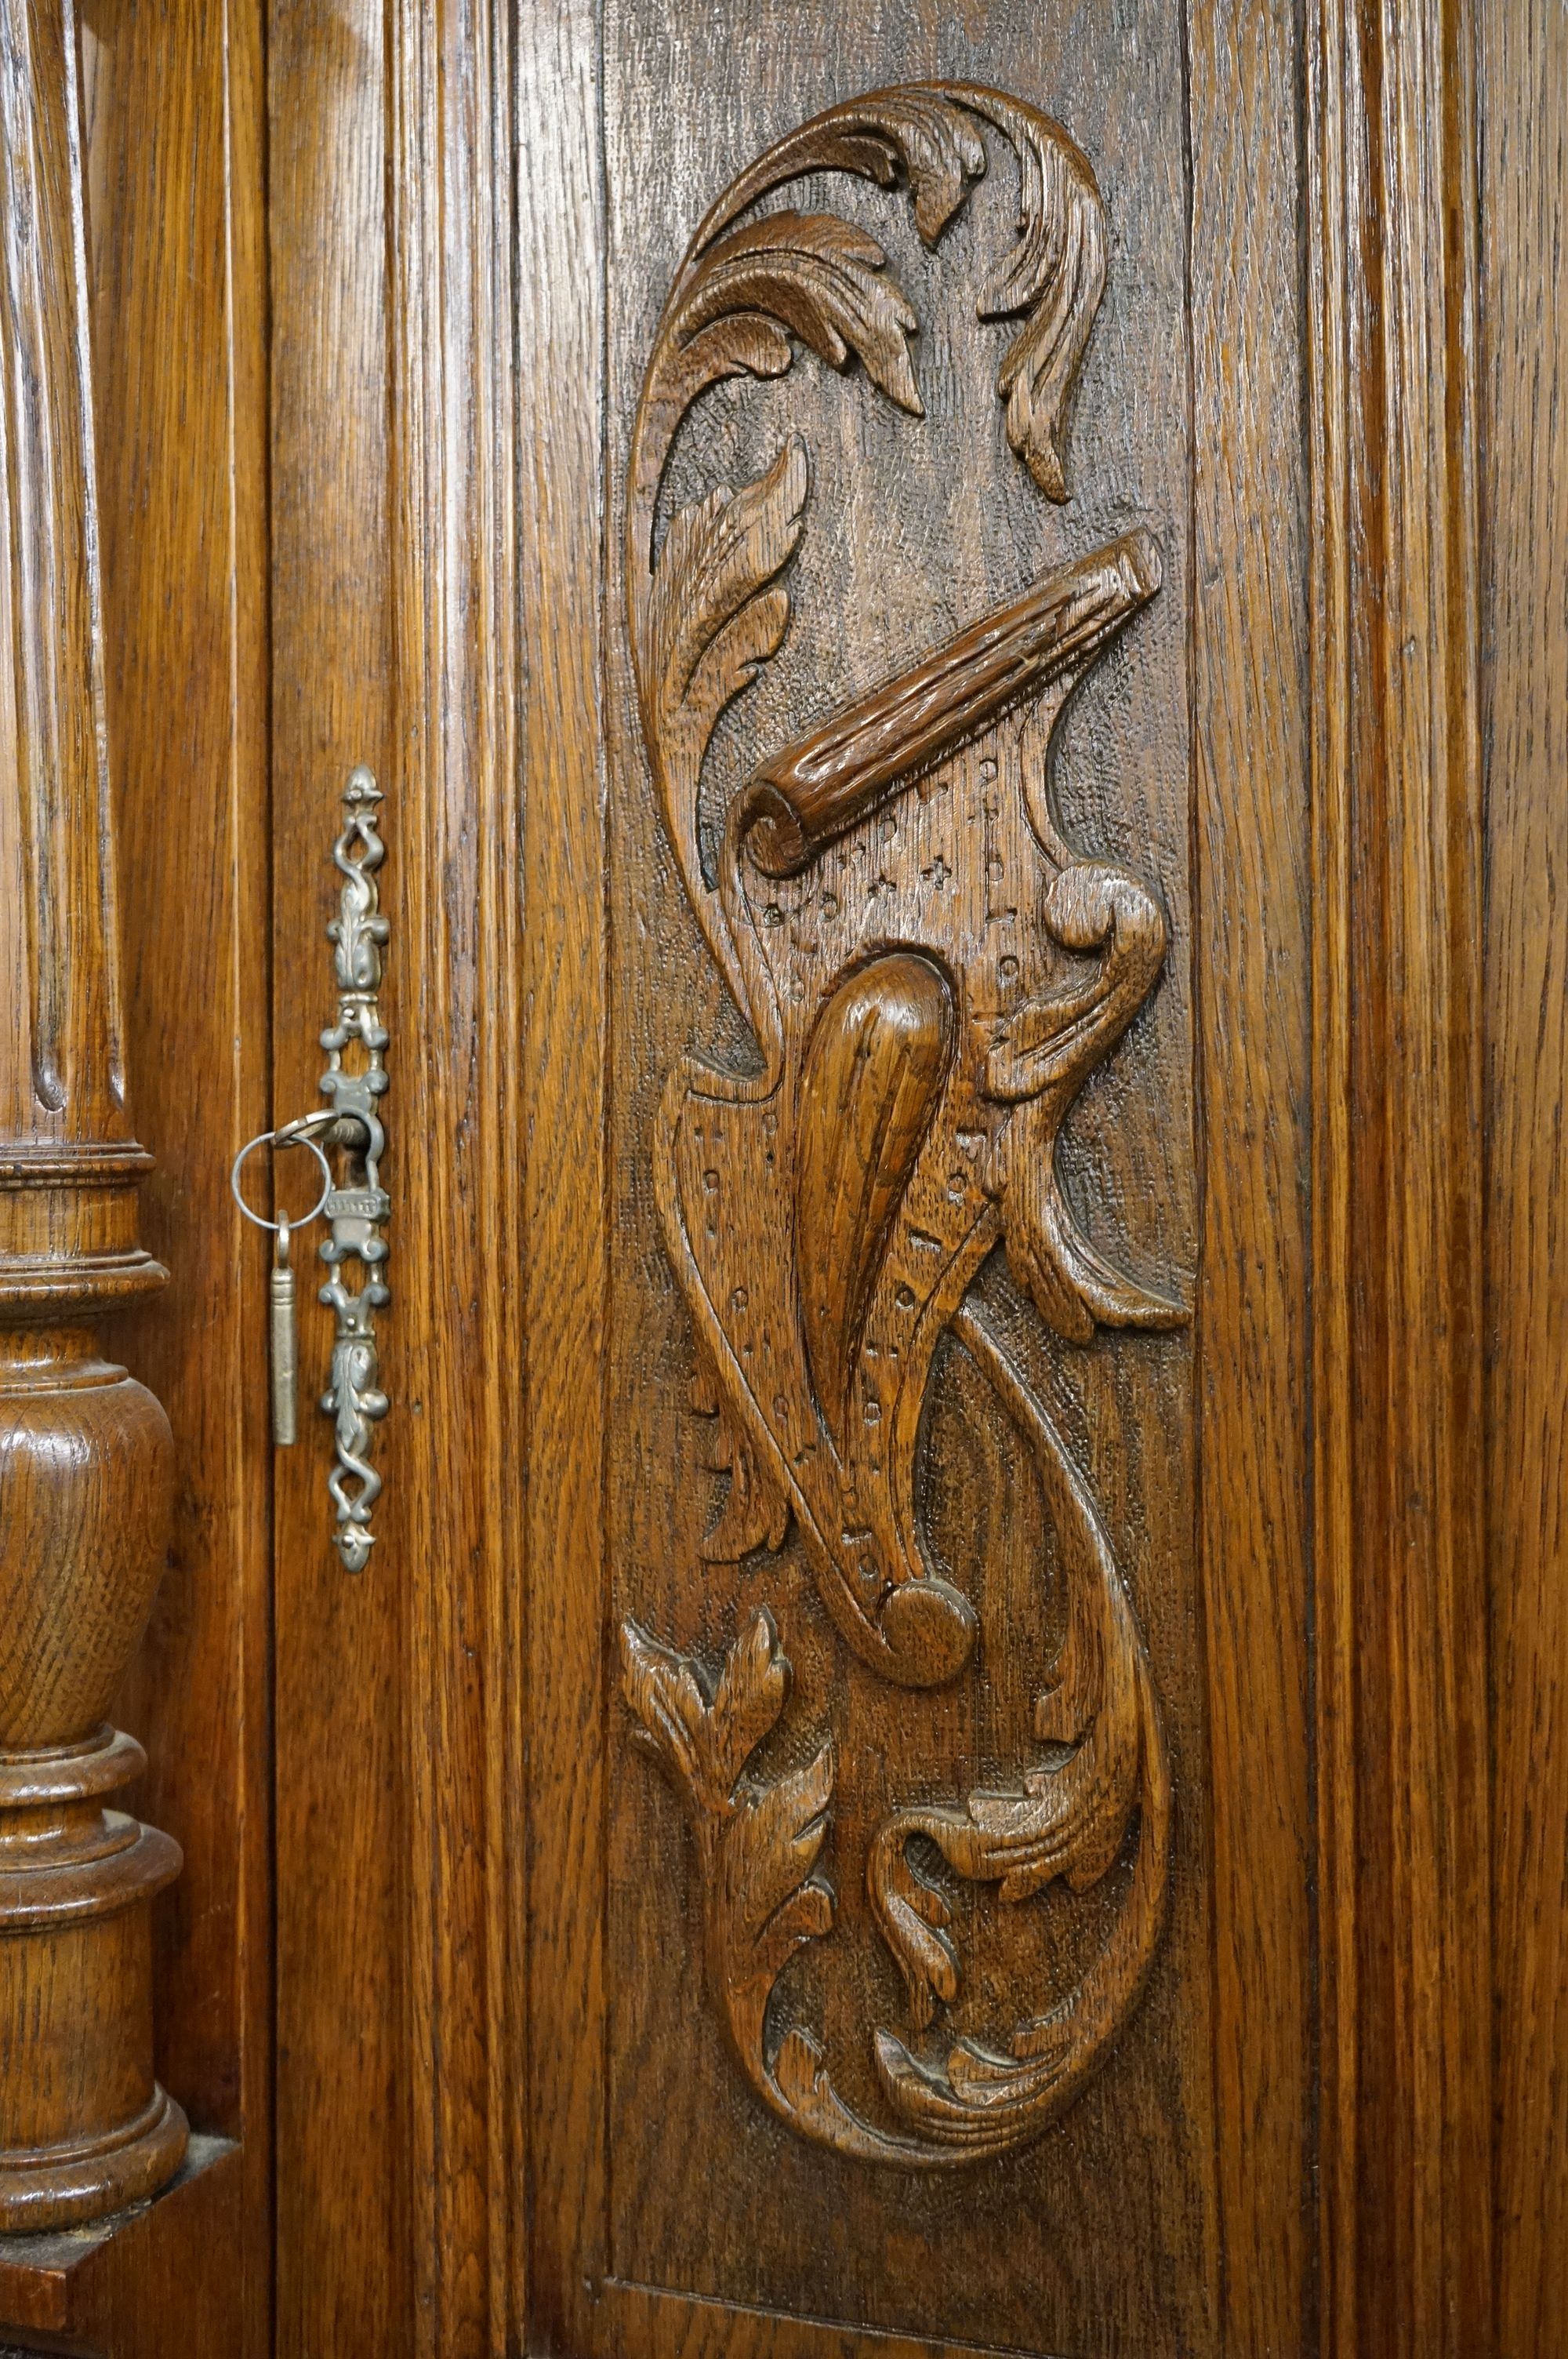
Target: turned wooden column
[[85, 1451]]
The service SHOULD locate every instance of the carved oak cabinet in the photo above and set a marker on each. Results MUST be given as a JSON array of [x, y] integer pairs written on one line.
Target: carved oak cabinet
[[913, 1698]]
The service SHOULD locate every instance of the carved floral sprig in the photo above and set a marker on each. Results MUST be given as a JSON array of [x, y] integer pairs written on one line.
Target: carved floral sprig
[[758, 1843]]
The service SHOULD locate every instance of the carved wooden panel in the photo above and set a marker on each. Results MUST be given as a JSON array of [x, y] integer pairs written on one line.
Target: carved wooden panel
[[901, 1423]]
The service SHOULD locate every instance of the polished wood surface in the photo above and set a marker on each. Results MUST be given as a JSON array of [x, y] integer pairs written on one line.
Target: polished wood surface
[[396, 1732], [1523, 413], [345, 2275], [705, 2263], [173, 239], [1167, 1877], [1252, 818], [561, 239], [86, 1455], [1404, 1947], [114, 2290], [176, 248]]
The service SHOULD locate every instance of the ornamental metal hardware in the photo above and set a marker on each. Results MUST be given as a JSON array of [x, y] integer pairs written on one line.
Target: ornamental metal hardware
[[358, 1208], [356, 1205]]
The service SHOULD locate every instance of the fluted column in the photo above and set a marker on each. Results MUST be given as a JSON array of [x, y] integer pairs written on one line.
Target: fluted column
[[85, 1451]]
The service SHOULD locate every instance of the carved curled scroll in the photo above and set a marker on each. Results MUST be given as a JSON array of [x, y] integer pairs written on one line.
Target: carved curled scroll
[[931, 971], [1068, 1822], [759, 1838]]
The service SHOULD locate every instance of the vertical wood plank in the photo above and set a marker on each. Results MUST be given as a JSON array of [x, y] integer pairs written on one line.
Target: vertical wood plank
[[394, 585], [561, 576], [1523, 58], [177, 237], [345, 2255], [1253, 857], [454, 1489]]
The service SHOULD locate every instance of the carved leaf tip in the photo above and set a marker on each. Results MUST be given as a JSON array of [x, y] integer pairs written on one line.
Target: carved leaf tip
[[777, 1837], [912, 1916], [1075, 1289], [704, 1743], [756, 1513], [1055, 272], [714, 620], [670, 1711], [824, 279], [707, 631], [752, 1690]]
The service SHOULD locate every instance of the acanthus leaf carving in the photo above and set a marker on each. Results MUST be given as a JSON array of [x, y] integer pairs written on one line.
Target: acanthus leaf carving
[[827, 1212], [759, 1840], [741, 292], [1055, 274], [710, 621], [824, 279], [1069, 1821], [1043, 1055]]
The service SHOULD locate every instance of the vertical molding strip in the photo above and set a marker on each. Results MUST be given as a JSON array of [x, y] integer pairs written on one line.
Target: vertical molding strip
[[453, 601], [1397, 1335]]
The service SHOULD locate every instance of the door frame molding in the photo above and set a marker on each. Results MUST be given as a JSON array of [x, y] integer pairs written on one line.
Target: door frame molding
[[1399, 1493]]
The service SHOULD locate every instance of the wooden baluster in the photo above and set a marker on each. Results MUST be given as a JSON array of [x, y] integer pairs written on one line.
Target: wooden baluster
[[86, 1457]]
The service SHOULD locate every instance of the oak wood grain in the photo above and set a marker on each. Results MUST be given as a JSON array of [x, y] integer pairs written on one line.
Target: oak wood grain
[[1252, 822], [506, 2113], [560, 248], [175, 246], [346, 2265], [113, 2290], [456, 1002], [1523, 388], [399, 1950], [910, 533], [1401, 1603], [1265, 1990], [86, 1456]]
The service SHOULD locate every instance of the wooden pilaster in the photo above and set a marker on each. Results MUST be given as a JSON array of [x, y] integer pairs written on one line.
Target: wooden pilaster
[[86, 1458]]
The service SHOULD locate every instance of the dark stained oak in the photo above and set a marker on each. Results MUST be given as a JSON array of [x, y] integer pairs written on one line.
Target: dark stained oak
[[1404, 1950], [1523, 415], [833, 2233], [953, 1738]]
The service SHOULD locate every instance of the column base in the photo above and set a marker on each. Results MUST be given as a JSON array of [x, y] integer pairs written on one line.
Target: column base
[[67, 2186], [85, 2127]]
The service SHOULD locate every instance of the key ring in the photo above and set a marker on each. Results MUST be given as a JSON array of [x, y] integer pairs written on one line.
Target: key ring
[[292, 1135]]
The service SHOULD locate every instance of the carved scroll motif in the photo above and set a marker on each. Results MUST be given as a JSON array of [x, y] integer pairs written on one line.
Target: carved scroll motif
[[828, 1214]]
